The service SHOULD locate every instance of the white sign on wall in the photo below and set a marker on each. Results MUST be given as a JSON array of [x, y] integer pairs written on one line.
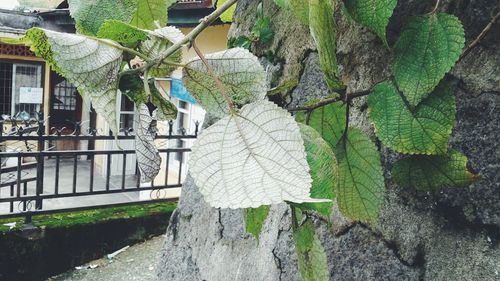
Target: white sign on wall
[[30, 95]]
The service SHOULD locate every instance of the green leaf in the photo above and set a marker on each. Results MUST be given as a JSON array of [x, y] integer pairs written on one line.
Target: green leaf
[[240, 72], [132, 86], [89, 15], [254, 219], [323, 31], [121, 32], [427, 49], [373, 14], [422, 130], [313, 265], [283, 87], [149, 11], [240, 41], [300, 9], [360, 189], [166, 110], [431, 173], [282, 3], [262, 30], [89, 64], [328, 120], [323, 165], [156, 48], [227, 16]]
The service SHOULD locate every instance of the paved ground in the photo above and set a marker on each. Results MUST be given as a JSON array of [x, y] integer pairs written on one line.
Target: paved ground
[[138, 262]]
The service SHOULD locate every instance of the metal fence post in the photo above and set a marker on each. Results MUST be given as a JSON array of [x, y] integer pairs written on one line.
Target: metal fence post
[[40, 160]]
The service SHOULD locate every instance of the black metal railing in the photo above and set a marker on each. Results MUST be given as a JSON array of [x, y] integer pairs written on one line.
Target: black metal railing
[[41, 173]]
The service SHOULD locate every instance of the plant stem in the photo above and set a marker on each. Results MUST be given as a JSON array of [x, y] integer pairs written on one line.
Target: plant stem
[[481, 35], [120, 47], [327, 101], [215, 77], [436, 6]]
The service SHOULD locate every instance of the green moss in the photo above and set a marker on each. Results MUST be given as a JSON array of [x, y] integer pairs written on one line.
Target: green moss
[[93, 216]]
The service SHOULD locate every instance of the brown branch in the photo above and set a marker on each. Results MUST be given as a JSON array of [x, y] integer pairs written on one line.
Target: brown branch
[[480, 37], [327, 101], [211, 72]]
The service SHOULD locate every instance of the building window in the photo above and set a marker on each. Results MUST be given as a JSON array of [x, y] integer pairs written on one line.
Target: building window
[[65, 96], [5, 88], [13, 77], [127, 112]]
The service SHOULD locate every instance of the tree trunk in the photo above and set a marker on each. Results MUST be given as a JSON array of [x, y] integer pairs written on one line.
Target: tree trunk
[[450, 235]]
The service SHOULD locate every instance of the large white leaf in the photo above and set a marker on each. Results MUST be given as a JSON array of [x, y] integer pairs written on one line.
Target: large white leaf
[[91, 65], [252, 159], [148, 157], [240, 72]]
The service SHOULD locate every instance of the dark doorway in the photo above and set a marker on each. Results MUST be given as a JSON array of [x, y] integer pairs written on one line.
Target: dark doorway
[[65, 102], [65, 109]]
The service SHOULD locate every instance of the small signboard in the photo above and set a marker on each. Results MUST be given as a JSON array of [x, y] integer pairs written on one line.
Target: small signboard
[[30, 95]]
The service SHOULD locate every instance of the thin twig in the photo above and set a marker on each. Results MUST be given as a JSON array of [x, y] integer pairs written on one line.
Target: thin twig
[[191, 36], [327, 101], [480, 37], [211, 72], [120, 47], [436, 6]]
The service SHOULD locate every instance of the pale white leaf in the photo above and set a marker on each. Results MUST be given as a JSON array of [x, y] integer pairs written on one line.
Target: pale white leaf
[[240, 72], [91, 65], [148, 157], [251, 159]]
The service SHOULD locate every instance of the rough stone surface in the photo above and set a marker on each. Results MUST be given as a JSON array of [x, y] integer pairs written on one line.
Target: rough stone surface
[[449, 235]]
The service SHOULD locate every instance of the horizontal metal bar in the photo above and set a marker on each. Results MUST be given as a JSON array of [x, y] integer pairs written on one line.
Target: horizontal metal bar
[[4, 184], [82, 152], [85, 137], [14, 168], [86, 193], [83, 208]]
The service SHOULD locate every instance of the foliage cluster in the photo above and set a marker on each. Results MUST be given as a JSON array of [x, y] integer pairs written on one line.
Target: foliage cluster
[[257, 153]]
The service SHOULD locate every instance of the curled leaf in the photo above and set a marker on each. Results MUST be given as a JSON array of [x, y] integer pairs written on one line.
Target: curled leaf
[[323, 165], [148, 157], [313, 264]]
